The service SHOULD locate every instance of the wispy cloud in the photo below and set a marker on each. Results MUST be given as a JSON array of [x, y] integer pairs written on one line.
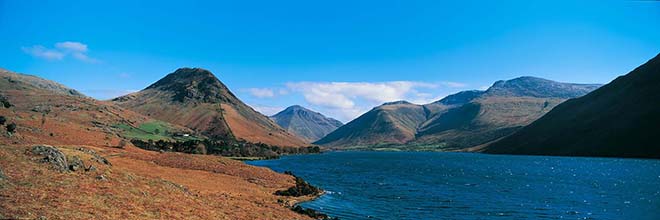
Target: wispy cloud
[[44, 53], [453, 84], [61, 50], [261, 92], [124, 75]]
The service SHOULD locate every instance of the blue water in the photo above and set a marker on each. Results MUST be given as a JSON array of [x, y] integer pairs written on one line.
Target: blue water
[[426, 185]]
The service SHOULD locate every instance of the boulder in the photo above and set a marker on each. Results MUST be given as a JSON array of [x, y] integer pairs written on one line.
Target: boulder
[[53, 156], [76, 163]]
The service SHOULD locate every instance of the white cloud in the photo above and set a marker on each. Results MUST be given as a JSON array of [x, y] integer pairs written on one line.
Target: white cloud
[[347, 100], [283, 91], [453, 84], [42, 52], [76, 50], [261, 92], [72, 46]]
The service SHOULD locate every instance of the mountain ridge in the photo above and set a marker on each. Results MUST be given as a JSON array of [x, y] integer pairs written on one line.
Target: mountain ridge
[[461, 120]]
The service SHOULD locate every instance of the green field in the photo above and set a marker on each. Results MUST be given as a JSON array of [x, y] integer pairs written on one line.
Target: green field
[[152, 130]]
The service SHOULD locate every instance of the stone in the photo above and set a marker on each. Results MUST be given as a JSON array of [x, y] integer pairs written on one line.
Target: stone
[[76, 163], [53, 156], [101, 177], [90, 168]]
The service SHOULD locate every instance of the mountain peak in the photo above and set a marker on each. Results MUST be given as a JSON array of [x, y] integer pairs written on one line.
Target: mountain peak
[[296, 108], [305, 123], [538, 87], [400, 102], [460, 97], [193, 84]]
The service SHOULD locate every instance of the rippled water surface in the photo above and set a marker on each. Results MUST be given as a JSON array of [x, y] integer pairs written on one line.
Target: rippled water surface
[[424, 185]]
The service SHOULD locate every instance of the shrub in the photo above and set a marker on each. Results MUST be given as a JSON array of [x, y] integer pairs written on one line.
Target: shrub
[[11, 127], [5, 102], [3, 120]]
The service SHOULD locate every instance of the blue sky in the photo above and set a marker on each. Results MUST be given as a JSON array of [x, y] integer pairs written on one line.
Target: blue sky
[[340, 58]]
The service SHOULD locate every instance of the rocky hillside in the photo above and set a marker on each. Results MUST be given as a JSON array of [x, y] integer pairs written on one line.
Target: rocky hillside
[[26, 82], [458, 121], [619, 119], [195, 98], [305, 123], [89, 165], [46, 112]]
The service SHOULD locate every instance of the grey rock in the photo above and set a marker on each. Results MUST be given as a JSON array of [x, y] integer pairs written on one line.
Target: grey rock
[[2, 175], [101, 177], [53, 156], [90, 168], [76, 164], [96, 157]]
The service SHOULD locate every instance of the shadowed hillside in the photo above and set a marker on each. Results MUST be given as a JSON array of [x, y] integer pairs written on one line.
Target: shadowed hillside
[[618, 120]]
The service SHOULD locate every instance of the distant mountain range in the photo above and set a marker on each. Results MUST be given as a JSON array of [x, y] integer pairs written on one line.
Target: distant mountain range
[[619, 119], [463, 120], [195, 98], [305, 123]]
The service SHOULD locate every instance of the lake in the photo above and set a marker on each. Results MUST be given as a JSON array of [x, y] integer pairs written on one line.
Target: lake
[[430, 185]]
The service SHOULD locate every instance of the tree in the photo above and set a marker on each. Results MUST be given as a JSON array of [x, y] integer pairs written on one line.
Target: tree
[[11, 127], [3, 120]]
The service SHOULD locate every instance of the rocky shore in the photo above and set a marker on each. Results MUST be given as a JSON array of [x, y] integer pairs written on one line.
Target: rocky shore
[[304, 189]]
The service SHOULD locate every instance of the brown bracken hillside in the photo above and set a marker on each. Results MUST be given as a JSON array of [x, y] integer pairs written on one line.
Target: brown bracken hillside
[[195, 98], [92, 172]]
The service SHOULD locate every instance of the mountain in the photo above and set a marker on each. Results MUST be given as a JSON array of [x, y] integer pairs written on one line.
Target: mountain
[[195, 98], [462, 120], [305, 123], [619, 119], [499, 111], [29, 82], [394, 122]]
